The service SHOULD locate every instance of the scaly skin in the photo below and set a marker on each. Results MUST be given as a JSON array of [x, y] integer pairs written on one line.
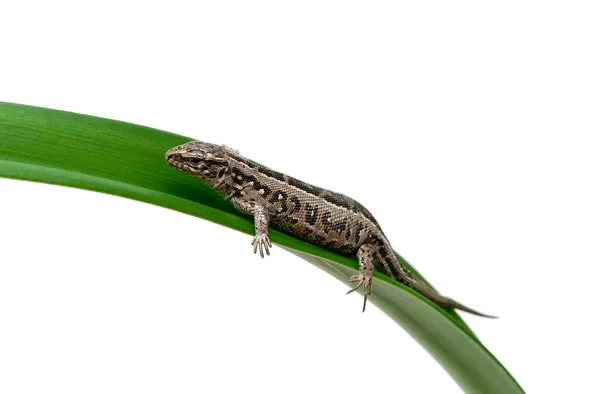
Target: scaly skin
[[324, 218]]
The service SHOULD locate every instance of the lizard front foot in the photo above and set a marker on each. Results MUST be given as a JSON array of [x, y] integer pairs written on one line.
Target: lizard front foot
[[363, 281], [261, 241]]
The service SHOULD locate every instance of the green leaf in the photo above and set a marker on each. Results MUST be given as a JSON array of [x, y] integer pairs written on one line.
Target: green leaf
[[127, 160]]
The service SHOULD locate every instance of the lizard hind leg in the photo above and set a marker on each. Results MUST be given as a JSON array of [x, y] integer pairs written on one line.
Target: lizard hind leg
[[365, 269]]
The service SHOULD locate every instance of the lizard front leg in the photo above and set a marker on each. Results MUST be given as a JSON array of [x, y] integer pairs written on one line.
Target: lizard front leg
[[365, 269], [261, 241]]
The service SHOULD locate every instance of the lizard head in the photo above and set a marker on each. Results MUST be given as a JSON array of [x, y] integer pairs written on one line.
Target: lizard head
[[208, 162]]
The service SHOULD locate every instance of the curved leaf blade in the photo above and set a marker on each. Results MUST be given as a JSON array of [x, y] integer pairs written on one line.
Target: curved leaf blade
[[126, 160]]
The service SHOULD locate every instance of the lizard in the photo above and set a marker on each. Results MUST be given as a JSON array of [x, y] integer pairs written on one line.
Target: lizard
[[321, 217]]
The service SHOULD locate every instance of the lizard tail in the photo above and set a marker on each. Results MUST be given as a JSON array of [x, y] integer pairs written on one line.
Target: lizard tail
[[428, 292]]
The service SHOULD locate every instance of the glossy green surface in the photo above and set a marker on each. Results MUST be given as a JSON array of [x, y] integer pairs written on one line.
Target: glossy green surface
[[127, 160]]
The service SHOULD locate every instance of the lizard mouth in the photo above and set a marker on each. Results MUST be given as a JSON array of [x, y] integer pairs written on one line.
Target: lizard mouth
[[180, 165], [176, 158], [172, 160], [169, 155], [172, 157]]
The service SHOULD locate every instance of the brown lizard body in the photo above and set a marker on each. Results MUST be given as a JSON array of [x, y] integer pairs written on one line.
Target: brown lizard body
[[327, 219]]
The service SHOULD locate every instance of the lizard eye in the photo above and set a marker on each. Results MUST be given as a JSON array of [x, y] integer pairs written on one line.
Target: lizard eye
[[195, 160]]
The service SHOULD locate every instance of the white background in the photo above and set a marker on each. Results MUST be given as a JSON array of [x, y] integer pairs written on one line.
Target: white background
[[470, 130]]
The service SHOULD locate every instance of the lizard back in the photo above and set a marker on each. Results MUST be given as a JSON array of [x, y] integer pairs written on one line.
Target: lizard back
[[327, 219]]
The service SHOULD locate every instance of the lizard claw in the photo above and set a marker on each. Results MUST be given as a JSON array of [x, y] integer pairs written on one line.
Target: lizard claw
[[260, 242], [363, 281]]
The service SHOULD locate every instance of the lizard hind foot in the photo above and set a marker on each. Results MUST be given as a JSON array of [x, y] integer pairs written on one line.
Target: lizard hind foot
[[363, 281], [262, 243]]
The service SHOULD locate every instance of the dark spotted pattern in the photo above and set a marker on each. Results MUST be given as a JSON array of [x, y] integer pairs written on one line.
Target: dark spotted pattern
[[348, 234], [263, 190], [357, 234], [330, 244], [307, 233], [340, 226], [326, 220], [251, 179], [337, 199], [279, 196], [238, 176], [346, 249], [297, 204], [311, 214]]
